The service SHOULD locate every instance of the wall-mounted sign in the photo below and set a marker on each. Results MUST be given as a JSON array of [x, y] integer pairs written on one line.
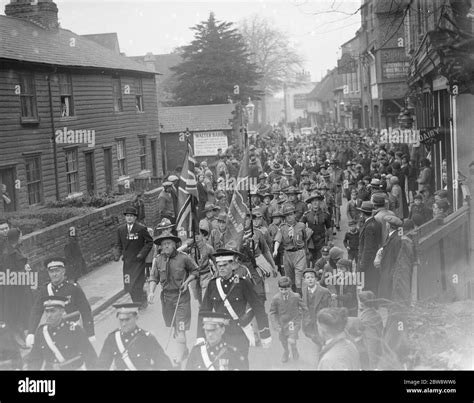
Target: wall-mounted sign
[[431, 135], [207, 143]]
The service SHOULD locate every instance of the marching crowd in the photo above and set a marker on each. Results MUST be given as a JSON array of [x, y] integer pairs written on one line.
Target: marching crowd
[[348, 301]]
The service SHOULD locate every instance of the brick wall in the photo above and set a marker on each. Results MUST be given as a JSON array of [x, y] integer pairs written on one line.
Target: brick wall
[[151, 207], [96, 232]]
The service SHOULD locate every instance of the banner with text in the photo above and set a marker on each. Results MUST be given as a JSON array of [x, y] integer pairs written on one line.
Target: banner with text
[[207, 143]]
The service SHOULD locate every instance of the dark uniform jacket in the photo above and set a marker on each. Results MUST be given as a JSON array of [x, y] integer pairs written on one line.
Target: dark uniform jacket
[[73, 344], [134, 249], [242, 293], [77, 302], [315, 301], [318, 222], [222, 357], [142, 348], [286, 313], [388, 262]]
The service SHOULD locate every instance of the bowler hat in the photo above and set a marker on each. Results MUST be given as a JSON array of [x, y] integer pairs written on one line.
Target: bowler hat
[[131, 210]]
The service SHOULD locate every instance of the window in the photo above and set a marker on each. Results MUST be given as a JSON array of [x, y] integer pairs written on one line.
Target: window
[[33, 179], [72, 171], [28, 96], [139, 94], [117, 93], [122, 166], [65, 92], [142, 152]]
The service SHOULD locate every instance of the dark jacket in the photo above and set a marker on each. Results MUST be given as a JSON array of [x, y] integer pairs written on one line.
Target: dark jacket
[[369, 243]]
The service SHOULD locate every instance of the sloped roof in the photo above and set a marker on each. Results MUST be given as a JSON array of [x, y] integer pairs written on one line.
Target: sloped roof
[[162, 63], [109, 40], [199, 117], [24, 41]]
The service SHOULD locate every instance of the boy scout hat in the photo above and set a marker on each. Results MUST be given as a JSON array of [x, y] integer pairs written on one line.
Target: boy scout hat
[[210, 320], [54, 301], [316, 196], [167, 184], [222, 217], [292, 191], [288, 172], [265, 193], [277, 213], [325, 250], [129, 307], [165, 223], [131, 210], [204, 226], [54, 262], [173, 178], [162, 238], [262, 176], [288, 210], [209, 207]]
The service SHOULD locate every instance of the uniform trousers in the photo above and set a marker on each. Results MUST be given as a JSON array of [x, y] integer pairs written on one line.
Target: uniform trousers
[[294, 264]]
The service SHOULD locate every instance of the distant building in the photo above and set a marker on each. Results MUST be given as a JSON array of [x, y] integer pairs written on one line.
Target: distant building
[[295, 93], [75, 117], [209, 127], [164, 81]]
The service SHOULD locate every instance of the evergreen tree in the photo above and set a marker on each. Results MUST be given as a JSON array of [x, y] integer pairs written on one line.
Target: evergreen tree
[[215, 61]]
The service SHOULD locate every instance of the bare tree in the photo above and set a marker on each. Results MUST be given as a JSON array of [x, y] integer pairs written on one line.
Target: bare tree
[[273, 54]]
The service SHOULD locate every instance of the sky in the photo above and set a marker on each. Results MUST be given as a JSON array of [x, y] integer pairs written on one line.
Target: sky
[[316, 28]]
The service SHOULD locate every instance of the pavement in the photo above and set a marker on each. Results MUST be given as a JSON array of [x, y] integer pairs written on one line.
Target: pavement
[[104, 285]]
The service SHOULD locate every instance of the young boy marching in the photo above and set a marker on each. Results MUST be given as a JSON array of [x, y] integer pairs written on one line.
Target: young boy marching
[[286, 312]]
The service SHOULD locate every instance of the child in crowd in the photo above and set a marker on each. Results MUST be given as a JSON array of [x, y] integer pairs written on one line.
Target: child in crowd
[[286, 312], [351, 241]]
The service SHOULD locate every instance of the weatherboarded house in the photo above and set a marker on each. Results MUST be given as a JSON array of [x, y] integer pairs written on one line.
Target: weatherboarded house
[[75, 117]]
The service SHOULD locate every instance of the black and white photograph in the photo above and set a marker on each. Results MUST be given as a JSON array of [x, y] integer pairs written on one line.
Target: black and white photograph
[[278, 186]]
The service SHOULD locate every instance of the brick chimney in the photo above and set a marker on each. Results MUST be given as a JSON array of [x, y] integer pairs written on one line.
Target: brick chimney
[[40, 12]]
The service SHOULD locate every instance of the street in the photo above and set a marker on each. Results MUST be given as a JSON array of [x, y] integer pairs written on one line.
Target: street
[[260, 359]]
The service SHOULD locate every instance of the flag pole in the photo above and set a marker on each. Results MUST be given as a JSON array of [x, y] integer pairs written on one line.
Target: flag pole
[[193, 208]]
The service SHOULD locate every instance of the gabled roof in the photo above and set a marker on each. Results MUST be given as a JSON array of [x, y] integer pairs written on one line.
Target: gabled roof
[[24, 41], [162, 63], [109, 41], [196, 118]]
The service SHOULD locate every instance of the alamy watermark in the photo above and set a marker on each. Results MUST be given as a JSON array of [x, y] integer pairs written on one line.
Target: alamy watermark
[[17, 278], [335, 278], [397, 136], [65, 136]]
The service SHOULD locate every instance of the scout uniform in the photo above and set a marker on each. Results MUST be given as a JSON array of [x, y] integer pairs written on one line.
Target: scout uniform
[[219, 355], [300, 207], [232, 296], [216, 238], [62, 347], [293, 239], [133, 350], [212, 222], [319, 222], [76, 301]]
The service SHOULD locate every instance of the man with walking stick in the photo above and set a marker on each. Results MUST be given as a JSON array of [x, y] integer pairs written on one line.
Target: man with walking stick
[[174, 271]]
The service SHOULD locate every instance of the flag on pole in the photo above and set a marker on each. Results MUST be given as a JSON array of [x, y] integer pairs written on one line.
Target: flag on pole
[[238, 206], [186, 221]]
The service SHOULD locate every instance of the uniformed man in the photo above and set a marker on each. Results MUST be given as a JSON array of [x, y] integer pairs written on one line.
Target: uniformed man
[[76, 300], [130, 347], [216, 239], [258, 223], [209, 211], [165, 202], [174, 271], [215, 353], [60, 344], [293, 238], [300, 207], [134, 243], [229, 293], [320, 224], [274, 230]]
